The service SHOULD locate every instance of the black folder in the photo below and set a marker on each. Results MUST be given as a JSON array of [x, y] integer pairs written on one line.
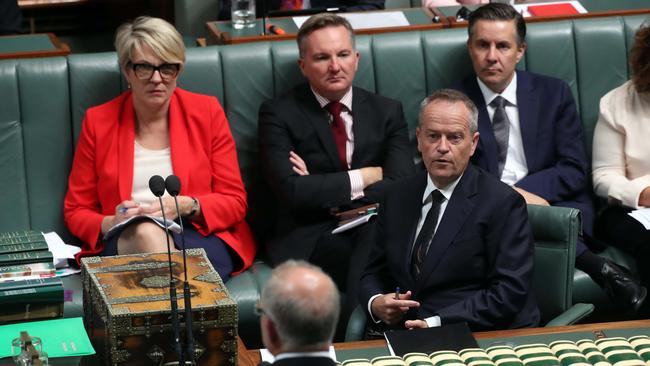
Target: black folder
[[452, 337]]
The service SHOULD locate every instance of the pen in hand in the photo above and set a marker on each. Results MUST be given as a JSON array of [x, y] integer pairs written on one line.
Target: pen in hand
[[397, 293], [124, 209]]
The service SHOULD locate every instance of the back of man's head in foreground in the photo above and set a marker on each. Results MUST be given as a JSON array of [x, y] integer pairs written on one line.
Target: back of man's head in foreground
[[300, 307]]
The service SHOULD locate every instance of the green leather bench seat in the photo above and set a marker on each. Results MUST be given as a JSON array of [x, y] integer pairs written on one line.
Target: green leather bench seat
[[42, 103]]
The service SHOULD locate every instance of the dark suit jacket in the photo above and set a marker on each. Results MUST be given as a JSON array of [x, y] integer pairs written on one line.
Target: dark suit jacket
[[479, 266], [297, 122], [350, 5], [11, 17], [553, 142]]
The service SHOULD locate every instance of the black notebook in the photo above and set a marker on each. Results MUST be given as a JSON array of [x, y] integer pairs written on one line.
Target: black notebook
[[452, 337]]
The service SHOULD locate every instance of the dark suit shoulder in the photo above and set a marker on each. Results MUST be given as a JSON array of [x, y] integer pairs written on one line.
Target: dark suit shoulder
[[540, 84], [526, 78], [374, 98], [290, 98], [539, 78], [406, 183], [487, 184]]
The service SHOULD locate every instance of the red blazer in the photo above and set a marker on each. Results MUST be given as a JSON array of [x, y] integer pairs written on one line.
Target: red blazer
[[203, 157]]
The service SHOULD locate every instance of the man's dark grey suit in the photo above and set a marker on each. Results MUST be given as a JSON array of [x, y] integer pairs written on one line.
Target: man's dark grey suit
[[479, 266]]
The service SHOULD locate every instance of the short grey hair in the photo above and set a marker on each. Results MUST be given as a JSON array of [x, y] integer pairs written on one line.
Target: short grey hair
[[452, 96], [163, 39], [302, 322]]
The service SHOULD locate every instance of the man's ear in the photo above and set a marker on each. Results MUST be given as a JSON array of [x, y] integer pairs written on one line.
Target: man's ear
[[301, 65], [521, 50], [475, 139], [273, 338]]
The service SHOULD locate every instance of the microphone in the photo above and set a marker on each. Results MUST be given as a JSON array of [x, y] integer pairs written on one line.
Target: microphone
[[157, 187], [173, 185]]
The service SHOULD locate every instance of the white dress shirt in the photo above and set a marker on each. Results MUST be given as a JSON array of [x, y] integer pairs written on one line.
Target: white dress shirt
[[285, 355], [356, 180], [515, 167]]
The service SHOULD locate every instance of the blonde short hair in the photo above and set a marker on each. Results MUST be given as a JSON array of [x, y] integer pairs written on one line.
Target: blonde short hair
[[163, 39]]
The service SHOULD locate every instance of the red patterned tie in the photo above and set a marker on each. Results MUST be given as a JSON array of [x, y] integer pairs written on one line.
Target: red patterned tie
[[291, 5], [338, 130]]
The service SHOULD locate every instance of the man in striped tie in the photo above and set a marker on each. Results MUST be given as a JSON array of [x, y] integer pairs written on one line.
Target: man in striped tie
[[532, 138]]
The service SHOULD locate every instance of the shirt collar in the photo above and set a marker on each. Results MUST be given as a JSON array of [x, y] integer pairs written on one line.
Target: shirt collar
[[446, 191], [284, 355], [509, 94], [346, 100]]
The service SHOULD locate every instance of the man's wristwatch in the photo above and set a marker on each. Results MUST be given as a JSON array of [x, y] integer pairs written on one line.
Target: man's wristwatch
[[195, 207]]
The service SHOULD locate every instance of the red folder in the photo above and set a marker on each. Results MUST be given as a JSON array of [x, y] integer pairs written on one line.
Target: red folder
[[552, 9]]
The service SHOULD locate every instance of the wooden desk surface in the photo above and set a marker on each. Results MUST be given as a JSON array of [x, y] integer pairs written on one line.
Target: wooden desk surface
[[36, 4], [252, 357], [32, 45], [222, 32]]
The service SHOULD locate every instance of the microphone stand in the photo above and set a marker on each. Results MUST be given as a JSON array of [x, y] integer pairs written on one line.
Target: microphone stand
[[187, 295], [172, 291], [264, 15]]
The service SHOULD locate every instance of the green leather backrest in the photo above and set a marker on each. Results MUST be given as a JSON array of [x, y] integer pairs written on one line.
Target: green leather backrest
[[35, 143], [95, 78], [190, 16], [555, 231], [602, 54]]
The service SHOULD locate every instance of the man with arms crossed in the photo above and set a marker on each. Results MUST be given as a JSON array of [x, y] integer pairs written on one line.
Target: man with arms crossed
[[531, 136], [453, 238], [327, 146], [299, 309]]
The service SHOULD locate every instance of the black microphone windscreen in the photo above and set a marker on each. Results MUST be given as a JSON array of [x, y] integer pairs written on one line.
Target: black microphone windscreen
[[157, 185], [173, 185]]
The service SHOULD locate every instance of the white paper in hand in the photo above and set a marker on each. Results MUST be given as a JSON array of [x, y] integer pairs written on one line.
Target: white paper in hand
[[354, 223], [642, 215]]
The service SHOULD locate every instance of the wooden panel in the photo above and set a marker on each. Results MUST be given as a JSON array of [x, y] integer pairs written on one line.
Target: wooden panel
[[44, 45], [222, 32]]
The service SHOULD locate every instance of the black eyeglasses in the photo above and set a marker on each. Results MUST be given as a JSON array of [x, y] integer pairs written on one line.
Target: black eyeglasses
[[144, 71]]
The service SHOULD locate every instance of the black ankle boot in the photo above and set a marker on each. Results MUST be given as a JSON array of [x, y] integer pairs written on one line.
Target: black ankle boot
[[622, 288]]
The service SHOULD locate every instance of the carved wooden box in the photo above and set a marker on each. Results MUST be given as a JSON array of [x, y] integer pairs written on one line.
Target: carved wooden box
[[127, 309]]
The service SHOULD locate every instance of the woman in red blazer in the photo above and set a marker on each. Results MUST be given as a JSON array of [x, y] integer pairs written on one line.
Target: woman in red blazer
[[156, 128]]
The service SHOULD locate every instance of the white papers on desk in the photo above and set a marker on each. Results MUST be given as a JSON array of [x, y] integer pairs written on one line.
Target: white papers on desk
[[268, 357], [368, 20], [523, 8], [61, 251], [642, 215]]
